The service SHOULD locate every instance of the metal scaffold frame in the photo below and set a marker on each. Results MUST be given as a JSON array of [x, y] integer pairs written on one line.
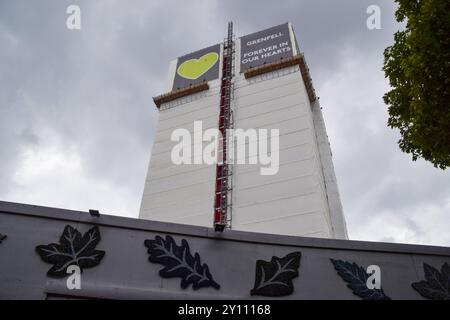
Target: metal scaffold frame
[[224, 169]]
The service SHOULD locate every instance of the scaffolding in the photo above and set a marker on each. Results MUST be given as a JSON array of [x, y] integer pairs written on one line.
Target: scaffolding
[[224, 168]]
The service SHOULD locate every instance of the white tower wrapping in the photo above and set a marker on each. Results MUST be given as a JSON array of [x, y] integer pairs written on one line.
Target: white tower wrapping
[[271, 89]]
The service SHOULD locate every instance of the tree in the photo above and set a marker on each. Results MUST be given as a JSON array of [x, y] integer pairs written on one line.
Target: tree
[[418, 68]]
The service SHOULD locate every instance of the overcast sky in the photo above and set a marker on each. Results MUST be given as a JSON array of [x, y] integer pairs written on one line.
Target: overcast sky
[[77, 117]]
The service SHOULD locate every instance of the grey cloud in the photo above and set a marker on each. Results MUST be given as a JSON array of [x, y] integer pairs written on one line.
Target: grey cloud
[[89, 92]]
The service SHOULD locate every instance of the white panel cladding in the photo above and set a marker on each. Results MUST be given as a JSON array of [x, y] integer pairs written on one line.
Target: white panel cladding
[[245, 179], [275, 190], [181, 193], [170, 205], [334, 201], [283, 207], [183, 179], [293, 201], [164, 135], [203, 114]]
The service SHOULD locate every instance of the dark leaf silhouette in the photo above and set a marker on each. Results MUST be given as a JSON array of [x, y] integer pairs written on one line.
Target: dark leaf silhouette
[[179, 262], [274, 278], [73, 249], [356, 278], [2, 237], [436, 285]]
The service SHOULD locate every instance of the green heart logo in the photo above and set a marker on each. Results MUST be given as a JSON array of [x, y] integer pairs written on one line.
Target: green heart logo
[[195, 68]]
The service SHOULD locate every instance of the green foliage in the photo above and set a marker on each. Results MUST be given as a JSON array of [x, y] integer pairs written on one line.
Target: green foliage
[[418, 69]]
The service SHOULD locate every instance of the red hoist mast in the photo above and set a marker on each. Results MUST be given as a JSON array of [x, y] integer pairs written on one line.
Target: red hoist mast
[[222, 200]]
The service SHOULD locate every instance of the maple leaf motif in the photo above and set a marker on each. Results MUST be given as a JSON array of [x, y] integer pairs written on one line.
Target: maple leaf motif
[[73, 249], [274, 278], [179, 262], [356, 278], [436, 285]]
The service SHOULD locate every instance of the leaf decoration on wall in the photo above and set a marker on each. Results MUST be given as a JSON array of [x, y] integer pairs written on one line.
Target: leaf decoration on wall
[[2, 237], [436, 285], [274, 278], [356, 278], [73, 249], [179, 262]]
